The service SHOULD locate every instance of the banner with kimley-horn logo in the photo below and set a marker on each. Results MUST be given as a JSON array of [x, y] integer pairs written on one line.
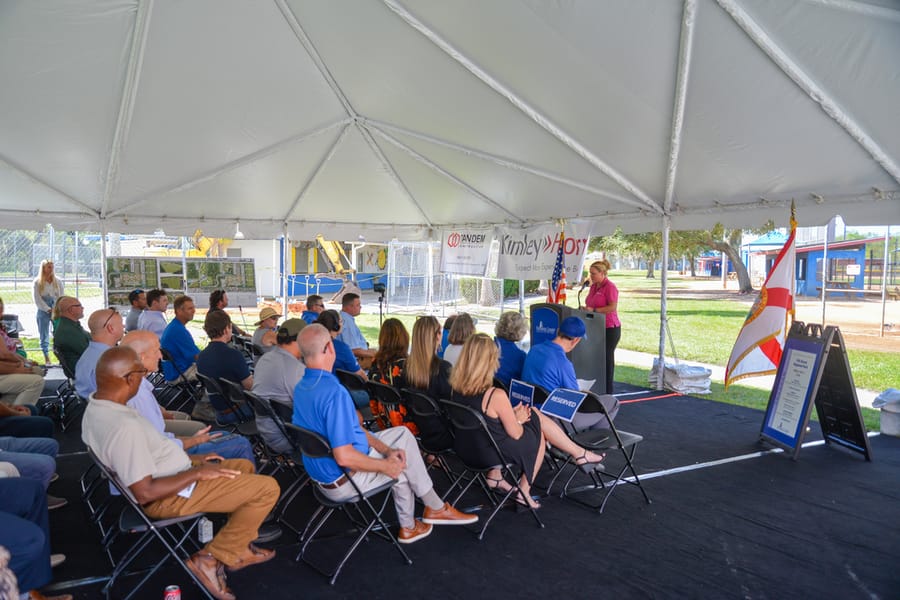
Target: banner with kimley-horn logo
[[466, 251], [530, 253]]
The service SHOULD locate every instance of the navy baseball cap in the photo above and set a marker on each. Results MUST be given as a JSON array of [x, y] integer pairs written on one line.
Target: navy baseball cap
[[573, 327]]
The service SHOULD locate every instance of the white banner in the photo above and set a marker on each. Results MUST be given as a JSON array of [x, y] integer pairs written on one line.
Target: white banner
[[465, 251], [531, 253]]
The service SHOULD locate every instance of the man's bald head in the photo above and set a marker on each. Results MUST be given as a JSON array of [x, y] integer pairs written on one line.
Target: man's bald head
[[146, 345], [314, 340], [106, 325], [119, 374]]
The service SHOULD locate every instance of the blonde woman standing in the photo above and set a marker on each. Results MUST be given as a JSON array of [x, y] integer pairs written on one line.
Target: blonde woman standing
[[603, 297], [47, 290]]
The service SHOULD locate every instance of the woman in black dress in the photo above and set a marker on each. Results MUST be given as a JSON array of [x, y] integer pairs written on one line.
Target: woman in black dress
[[520, 433]]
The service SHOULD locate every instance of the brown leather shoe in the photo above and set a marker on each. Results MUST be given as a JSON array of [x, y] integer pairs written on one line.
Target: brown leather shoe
[[447, 516], [419, 531], [254, 556], [36, 595], [199, 564]]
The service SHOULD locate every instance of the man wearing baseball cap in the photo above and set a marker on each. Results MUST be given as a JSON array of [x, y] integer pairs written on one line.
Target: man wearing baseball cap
[[548, 366], [266, 328], [138, 299]]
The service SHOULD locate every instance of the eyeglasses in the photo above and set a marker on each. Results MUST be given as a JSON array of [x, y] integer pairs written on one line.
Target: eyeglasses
[[325, 348], [106, 322], [141, 372]]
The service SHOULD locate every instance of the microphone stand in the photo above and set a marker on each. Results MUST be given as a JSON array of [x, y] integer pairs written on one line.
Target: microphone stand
[[583, 285], [380, 310]]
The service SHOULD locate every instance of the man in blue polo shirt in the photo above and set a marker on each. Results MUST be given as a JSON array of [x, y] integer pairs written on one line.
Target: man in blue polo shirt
[[178, 341], [351, 306], [323, 405], [548, 366]]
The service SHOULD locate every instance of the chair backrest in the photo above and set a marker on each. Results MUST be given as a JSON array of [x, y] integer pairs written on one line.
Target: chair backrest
[[420, 404], [500, 385], [469, 422], [68, 371], [263, 408], [216, 396], [234, 392], [311, 444], [351, 381], [384, 393], [112, 477], [540, 395]]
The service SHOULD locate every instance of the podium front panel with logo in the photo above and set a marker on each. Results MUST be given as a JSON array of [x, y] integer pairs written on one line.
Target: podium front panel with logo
[[589, 356]]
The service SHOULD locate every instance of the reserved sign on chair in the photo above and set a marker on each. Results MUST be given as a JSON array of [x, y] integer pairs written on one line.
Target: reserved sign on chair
[[563, 404]]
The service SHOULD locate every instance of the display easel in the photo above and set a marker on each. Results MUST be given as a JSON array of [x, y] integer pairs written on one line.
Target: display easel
[[814, 370]]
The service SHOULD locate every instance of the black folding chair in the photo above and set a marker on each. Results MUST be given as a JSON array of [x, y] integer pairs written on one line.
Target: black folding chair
[[435, 437], [67, 406], [366, 516], [176, 535], [355, 383], [228, 415], [466, 418], [178, 394], [290, 462], [388, 398], [599, 440]]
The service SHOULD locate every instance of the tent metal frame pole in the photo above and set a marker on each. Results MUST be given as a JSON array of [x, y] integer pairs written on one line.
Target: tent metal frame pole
[[884, 276], [498, 160], [37, 180], [285, 266], [824, 272], [663, 304], [103, 290], [688, 19], [129, 96], [809, 86], [312, 176], [535, 115], [235, 164]]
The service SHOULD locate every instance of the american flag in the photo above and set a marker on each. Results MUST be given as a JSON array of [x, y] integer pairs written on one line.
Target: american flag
[[557, 292]]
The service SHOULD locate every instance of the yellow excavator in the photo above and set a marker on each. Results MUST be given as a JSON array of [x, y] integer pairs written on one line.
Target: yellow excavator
[[334, 254]]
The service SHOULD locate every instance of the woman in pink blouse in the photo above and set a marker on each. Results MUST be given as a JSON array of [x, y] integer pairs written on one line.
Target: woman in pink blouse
[[603, 297]]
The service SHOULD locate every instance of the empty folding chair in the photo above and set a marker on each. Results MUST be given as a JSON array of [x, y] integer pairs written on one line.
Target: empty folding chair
[[612, 441], [68, 405], [364, 518], [176, 536], [466, 418]]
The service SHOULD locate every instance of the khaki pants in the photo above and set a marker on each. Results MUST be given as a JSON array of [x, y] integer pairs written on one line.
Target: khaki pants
[[20, 388], [247, 499]]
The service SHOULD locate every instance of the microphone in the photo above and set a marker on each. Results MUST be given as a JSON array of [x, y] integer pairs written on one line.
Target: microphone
[[586, 283]]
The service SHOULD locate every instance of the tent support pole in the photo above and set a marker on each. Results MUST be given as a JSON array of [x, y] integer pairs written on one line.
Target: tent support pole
[[688, 19], [824, 272], [884, 276], [285, 265], [663, 316], [103, 288]]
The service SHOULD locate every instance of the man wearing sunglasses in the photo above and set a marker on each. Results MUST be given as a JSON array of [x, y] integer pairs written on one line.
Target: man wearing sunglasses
[[107, 329], [69, 338]]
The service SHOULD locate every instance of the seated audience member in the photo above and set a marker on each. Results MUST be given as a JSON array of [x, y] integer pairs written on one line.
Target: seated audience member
[[219, 359], [344, 358], [315, 304], [351, 306], [168, 483], [323, 405], [387, 368], [546, 365], [25, 532], [179, 342], [17, 421], [21, 382], [107, 329], [138, 300], [34, 458], [201, 441], [520, 432], [266, 329], [10, 342], [427, 373], [445, 335], [218, 300], [69, 339], [275, 377], [390, 359], [461, 330], [510, 329], [154, 316]]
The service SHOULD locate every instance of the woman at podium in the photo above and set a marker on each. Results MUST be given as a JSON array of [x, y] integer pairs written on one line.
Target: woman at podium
[[603, 297]]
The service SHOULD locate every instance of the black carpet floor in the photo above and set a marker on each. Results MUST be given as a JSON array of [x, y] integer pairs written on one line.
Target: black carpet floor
[[824, 526]]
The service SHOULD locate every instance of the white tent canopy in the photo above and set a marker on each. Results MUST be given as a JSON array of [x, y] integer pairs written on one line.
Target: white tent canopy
[[395, 118]]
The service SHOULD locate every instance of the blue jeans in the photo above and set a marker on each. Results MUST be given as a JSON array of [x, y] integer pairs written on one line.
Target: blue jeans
[[43, 324], [35, 458], [25, 531], [236, 447]]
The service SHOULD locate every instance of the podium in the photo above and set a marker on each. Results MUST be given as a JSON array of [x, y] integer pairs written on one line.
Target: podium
[[589, 356]]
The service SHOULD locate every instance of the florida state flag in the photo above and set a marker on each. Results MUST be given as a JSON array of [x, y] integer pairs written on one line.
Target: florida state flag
[[757, 350]]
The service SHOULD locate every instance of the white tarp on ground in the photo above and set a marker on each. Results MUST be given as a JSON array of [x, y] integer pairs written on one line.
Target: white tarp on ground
[[402, 117]]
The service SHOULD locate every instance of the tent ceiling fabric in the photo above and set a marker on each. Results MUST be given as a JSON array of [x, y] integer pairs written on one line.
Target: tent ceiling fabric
[[396, 118]]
